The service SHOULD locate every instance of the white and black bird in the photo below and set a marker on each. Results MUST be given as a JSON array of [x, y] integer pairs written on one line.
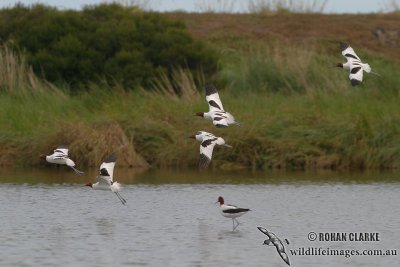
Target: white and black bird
[[230, 211], [106, 178], [273, 240], [208, 141], [60, 156], [216, 112], [354, 65]]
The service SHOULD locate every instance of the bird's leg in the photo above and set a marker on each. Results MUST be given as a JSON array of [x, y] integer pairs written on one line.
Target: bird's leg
[[237, 223], [76, 171], [374, 73], [235, 226], [123, 201]]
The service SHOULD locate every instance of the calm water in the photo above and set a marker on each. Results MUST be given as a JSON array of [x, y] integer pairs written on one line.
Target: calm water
[[48, 217]]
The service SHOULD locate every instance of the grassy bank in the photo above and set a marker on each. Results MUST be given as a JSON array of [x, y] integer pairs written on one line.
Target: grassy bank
[[297, 112]]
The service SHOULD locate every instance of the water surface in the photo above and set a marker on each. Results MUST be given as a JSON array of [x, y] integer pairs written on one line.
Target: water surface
[[49, 218]]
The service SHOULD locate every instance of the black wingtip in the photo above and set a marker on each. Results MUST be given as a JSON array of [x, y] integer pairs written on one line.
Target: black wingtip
[[204, 161], [221, 126], [111, 158], [355, 82], [210, 89], [262, 229], [343, 46], [104, 172]]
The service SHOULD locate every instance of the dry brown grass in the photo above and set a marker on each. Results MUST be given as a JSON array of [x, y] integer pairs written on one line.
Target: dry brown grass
[[181, 85], [90, 145], [324, 32]]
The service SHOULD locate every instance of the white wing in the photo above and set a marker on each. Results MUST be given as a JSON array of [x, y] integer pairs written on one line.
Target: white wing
[[61, 152], [356, 74], [206, 150], [107, 167], [349, 53], [212, 97]]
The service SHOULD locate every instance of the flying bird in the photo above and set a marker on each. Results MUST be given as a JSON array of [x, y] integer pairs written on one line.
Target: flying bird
[[273, 240], [208, 141], [60, 156], [106, 178], [354, 65], [216, 113], [230, 211]]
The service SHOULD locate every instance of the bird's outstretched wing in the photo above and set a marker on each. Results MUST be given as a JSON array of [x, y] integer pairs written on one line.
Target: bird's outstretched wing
[[206, 150], [61, 152], [213, 100], [277, 243], [107, 167], [348, 53], [356, 74]]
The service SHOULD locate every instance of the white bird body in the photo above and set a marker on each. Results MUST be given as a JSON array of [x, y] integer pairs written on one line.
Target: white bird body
[[61, 161], [105, 179], [231, 211], [115, 186], [354, 65], [208, 141], [225, 211], [60, 156], [216, 113]]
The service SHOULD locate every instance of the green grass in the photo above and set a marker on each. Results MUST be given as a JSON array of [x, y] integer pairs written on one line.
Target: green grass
[[297, 113]]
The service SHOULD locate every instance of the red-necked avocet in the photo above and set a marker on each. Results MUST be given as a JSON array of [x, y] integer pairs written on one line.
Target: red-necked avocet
[[273, 240], [208, 141], [231, 211], [216, 113], [354, 65], [106, 178], [60, 156]]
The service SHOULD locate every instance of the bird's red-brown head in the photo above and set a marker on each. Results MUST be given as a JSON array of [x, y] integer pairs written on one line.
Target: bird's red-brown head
[[192, 136], [43, 156], [200, 114], [339, 65], [89, 184], [221, 200]]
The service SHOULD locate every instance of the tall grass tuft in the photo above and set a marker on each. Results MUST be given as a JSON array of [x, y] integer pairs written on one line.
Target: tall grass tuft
[[286, 6], [216, 6], [15, 74]]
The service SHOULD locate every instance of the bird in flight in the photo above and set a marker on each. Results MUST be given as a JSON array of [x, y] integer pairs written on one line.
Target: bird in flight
[[105, 179], [273, 240], [216, 113], [354, 65], [230, 211], [208, 141], [60, 156]]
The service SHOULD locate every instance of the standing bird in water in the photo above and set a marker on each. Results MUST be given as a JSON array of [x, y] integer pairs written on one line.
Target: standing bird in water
[[60, 156], [231, 211], [354, 65], [216, 113], [208, 141], [106, 178]]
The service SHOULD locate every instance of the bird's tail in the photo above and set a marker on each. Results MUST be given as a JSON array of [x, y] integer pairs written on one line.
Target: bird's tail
[[238, 124], [227, 145], [366, 67], [77, 171]]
